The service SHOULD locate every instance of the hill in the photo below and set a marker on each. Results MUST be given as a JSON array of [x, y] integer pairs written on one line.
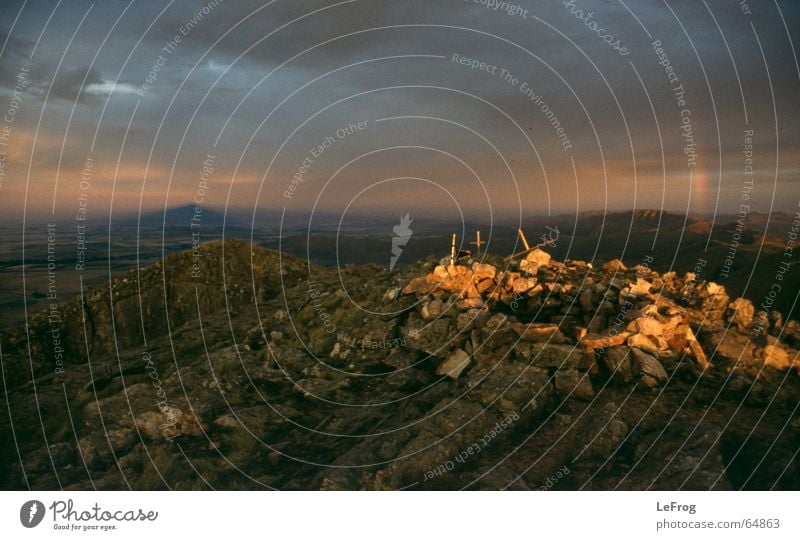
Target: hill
[[238, 367]]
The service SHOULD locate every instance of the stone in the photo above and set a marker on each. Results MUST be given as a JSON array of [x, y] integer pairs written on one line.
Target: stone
[[496, 321], [647, 326], [432, 310], [468, 320], [696, 349], [621, 363], [469, 303], [483, 271], [571, 383], [650, 366], [643, 342], [471, 292], [419, 285], [740, 313], [775, 357], [640, 288], [614, 265], [604, 340], [523, 284], [538, 257], [528, 267], [454, 365], [539, 332], [392, 294], [484, 285]]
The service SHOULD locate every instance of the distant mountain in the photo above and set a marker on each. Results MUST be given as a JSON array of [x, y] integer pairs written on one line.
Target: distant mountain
[[183, 216]]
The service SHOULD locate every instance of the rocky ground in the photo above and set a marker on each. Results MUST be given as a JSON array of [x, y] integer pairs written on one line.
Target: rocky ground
[[239, 368]]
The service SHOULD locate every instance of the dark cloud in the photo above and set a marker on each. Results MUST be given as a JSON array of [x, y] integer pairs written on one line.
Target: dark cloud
[[218, 82]]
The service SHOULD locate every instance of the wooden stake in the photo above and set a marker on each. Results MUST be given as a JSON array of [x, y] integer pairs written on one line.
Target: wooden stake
[[524, 240], [453, 251], [477, 243]]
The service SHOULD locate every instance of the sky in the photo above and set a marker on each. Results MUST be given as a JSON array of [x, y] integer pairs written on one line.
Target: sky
[[448, 108]]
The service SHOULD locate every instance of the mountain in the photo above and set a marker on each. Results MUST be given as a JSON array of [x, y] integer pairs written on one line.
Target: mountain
[[238, 367], [182, 216]]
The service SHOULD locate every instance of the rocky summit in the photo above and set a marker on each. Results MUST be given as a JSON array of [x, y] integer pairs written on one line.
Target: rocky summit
[[237, 367]]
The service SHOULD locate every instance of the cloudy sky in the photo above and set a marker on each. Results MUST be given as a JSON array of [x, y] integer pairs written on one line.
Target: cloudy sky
[[572, 108]]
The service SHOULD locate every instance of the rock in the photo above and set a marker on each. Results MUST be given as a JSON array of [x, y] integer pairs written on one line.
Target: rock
[[698, 353], [523, 284], [640, 288], [441, 272], [604, 340], [470, 319], [427, 337], [644, 342], [469, 303], [419, 285], [614, 265], [431, 310], [539, 332], [776, 357], [483, 271], [484, 285], [538, 257], [528, 267], [392, 294], [496, 321], [650, 366], [647, 326], [740, 313], [573, 383], [454, 365], [621, 363], [276, 335]]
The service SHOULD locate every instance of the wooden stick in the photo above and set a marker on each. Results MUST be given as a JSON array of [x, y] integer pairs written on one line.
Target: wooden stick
[[477, 243], [524, 240], [453, 251]]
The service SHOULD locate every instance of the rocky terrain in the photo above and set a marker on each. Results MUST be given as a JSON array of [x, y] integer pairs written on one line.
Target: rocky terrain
[[238, 367]]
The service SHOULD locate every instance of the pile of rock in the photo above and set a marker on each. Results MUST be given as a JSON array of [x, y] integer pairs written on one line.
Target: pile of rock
[[581, 320]]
